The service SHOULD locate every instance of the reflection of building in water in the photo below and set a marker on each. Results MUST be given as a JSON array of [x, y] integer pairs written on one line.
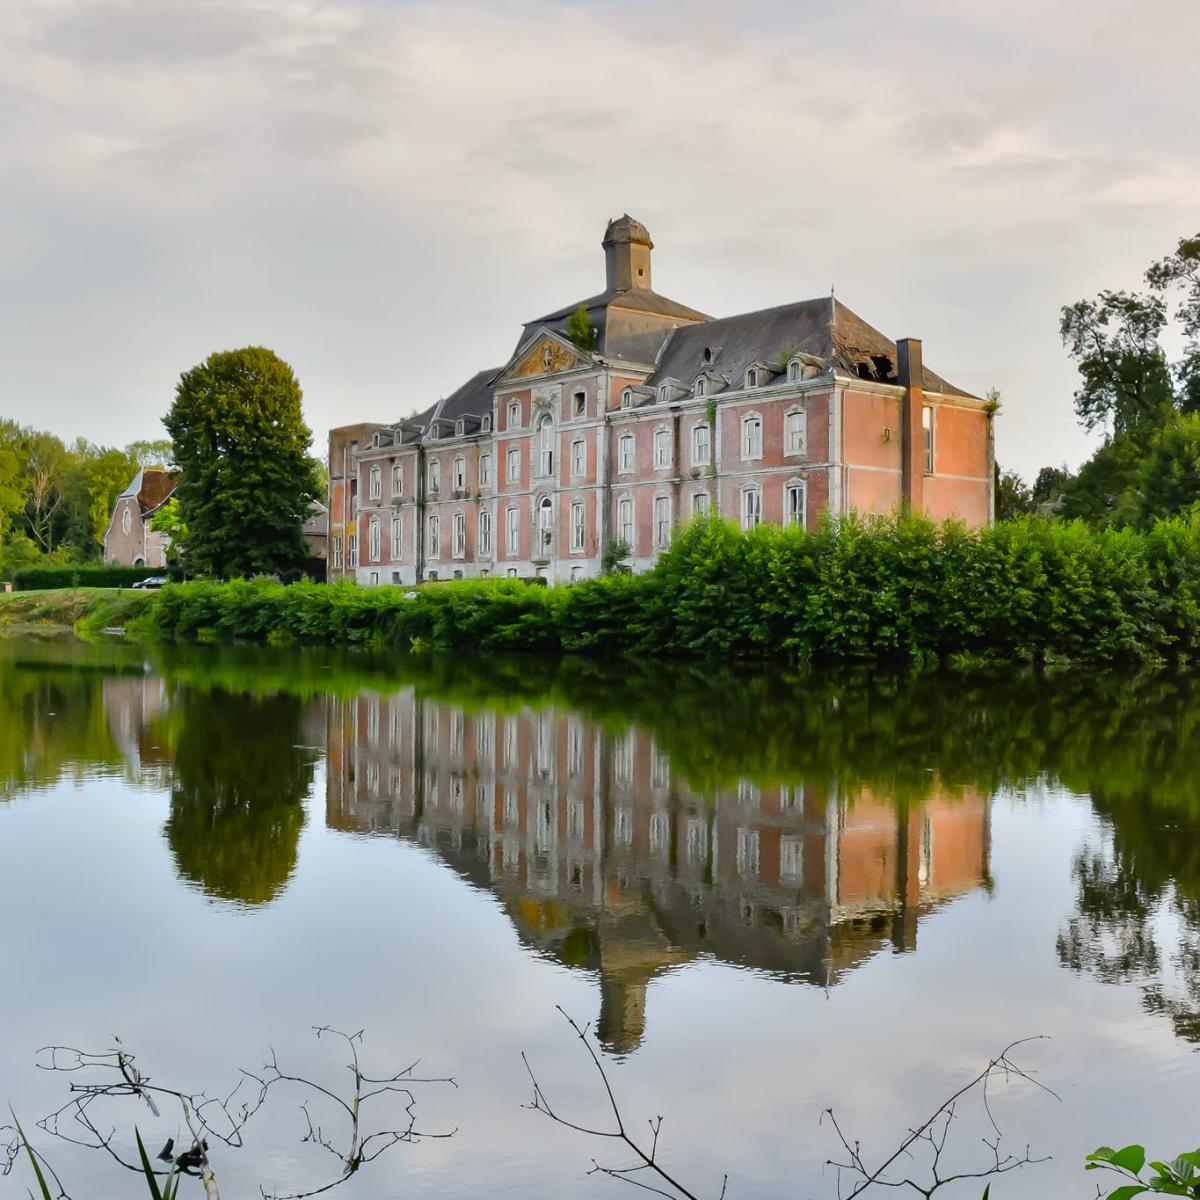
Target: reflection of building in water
[[135, 705], [604, 858]]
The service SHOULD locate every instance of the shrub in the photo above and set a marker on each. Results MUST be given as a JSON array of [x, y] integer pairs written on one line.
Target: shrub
[[30, 579], [900, 589]]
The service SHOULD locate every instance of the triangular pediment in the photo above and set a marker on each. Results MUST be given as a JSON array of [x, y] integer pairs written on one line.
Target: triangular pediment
[[544, 352]]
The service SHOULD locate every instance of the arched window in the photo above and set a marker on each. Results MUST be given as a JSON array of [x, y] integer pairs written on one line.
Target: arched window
[[514, 414], [752, 377], [698, 390], [460, 474], [373, 540], [376, 483], [664, 392], [546, 445], [794, 370], [546, 525], [795, 431], [662, 448], [484, 538], [751, 507], [752, 436], [625, 452], [485, 423], [627, 398]]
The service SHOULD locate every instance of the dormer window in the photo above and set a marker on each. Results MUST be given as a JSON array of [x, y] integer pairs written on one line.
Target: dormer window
[[794, 370], [664, 392], [460, 427], [708, 354], [752, 377], [699, 388], [627, 398], [485, 423]]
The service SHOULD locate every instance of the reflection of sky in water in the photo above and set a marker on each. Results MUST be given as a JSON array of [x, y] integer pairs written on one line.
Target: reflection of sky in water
[[381, 933]]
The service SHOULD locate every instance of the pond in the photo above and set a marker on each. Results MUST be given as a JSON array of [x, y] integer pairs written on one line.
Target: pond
[[768, 894]]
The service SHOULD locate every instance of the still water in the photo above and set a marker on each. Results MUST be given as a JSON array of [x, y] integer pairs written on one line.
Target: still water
[[768, 895]]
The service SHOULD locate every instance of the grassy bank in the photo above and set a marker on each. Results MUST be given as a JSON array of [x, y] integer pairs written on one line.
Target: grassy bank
[[897, 590], [64, 611]]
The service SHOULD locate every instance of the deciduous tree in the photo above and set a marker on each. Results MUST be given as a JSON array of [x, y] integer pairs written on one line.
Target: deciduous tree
[[247, 479]]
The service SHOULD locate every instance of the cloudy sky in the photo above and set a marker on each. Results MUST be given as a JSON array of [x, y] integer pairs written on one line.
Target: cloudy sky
[[382, 191]]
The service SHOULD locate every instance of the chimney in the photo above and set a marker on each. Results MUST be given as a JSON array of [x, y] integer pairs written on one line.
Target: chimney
[[627, 247], [911, 373]]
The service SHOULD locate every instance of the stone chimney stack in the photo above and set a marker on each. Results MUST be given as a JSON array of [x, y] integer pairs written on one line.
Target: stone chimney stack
[[911, 373], [627, 247]]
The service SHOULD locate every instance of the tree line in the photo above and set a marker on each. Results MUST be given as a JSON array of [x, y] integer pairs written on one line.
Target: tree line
[[56, 498], [1147, 405]]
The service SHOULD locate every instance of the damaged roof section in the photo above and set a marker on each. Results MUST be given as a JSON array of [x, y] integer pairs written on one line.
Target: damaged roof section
[[822, 330]]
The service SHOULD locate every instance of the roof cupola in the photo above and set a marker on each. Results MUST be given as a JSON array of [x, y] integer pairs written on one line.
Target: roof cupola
[[627, 247]]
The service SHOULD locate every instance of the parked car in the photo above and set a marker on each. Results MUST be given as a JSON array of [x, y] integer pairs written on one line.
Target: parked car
[[153, 581]]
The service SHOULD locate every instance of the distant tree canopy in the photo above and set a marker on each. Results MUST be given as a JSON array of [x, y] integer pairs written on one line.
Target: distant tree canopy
[[56, 499], [1130, 389], [248, 481]]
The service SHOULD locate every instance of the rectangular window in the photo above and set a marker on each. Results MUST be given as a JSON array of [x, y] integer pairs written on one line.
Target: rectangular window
[[513, 532], [927, 426], [352, 550], [376, 483], [460, 474], [625, 453], [579, 404], [512, 459], [795, 433], [699, 504], [751, 508], [793, 505], [752, 437], [373, 541], [484, 538], [791, 860], [701, 445], [460, 534], [546, 446], [747, 851], [397, 480], [435, 476], [337, 550], [397, 538], [625, 522], [514, 414], [485, 470], [662, 448], [577, 525], [434, 538], [578, 458], [662, 521]]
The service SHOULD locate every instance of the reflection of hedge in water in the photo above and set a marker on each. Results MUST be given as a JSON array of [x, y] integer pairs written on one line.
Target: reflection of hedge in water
[[239, 779]]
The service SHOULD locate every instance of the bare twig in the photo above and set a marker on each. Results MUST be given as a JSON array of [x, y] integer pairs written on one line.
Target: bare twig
[[647, 1165], [221, 1119], [930, 1138]]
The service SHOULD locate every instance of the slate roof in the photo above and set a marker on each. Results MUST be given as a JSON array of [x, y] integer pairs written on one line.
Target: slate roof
[[824, 328], [638, 299], [472, 399], [152, 486]]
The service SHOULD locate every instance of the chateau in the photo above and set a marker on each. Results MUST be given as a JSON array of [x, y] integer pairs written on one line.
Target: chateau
[[614, 430]]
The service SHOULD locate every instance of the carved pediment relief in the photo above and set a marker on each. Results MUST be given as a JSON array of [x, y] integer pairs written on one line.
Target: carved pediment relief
[[546, 356]]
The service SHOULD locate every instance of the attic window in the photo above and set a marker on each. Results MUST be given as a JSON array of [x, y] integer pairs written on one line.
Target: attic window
[[627, 398], [752, 377], [794, 370], [485, 423], [699, 388], [460, 426], [708, 354], [664, 392]]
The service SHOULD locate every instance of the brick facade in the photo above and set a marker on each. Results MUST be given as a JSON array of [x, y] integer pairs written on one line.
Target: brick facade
[[535, 467]]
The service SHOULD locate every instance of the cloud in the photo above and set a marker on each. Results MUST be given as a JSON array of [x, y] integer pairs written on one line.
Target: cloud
[[357, 182]]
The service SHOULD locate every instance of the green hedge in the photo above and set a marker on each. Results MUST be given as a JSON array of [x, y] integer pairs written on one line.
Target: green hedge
[[32, 579], [896, 589]]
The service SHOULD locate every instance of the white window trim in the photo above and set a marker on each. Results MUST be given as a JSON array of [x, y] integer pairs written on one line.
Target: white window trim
[[664, 393], [663, 542], [755, 490], [659, 432], [632, 467], [632, 538], [434, 534], [397, 480], [397, 538], [627, 398], [578, 469], [545, 545], [707, 506], [746, 419], [512, 454], [458, 544], [930, 454], [545, 456], [485, 423], [707, 460], [460, 473], [754, 382], [483, 534], [485, 469], [699, 387], [512, 545], [376, 483], [800, 411], [802, 484], [435, 475], [577, 544]]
